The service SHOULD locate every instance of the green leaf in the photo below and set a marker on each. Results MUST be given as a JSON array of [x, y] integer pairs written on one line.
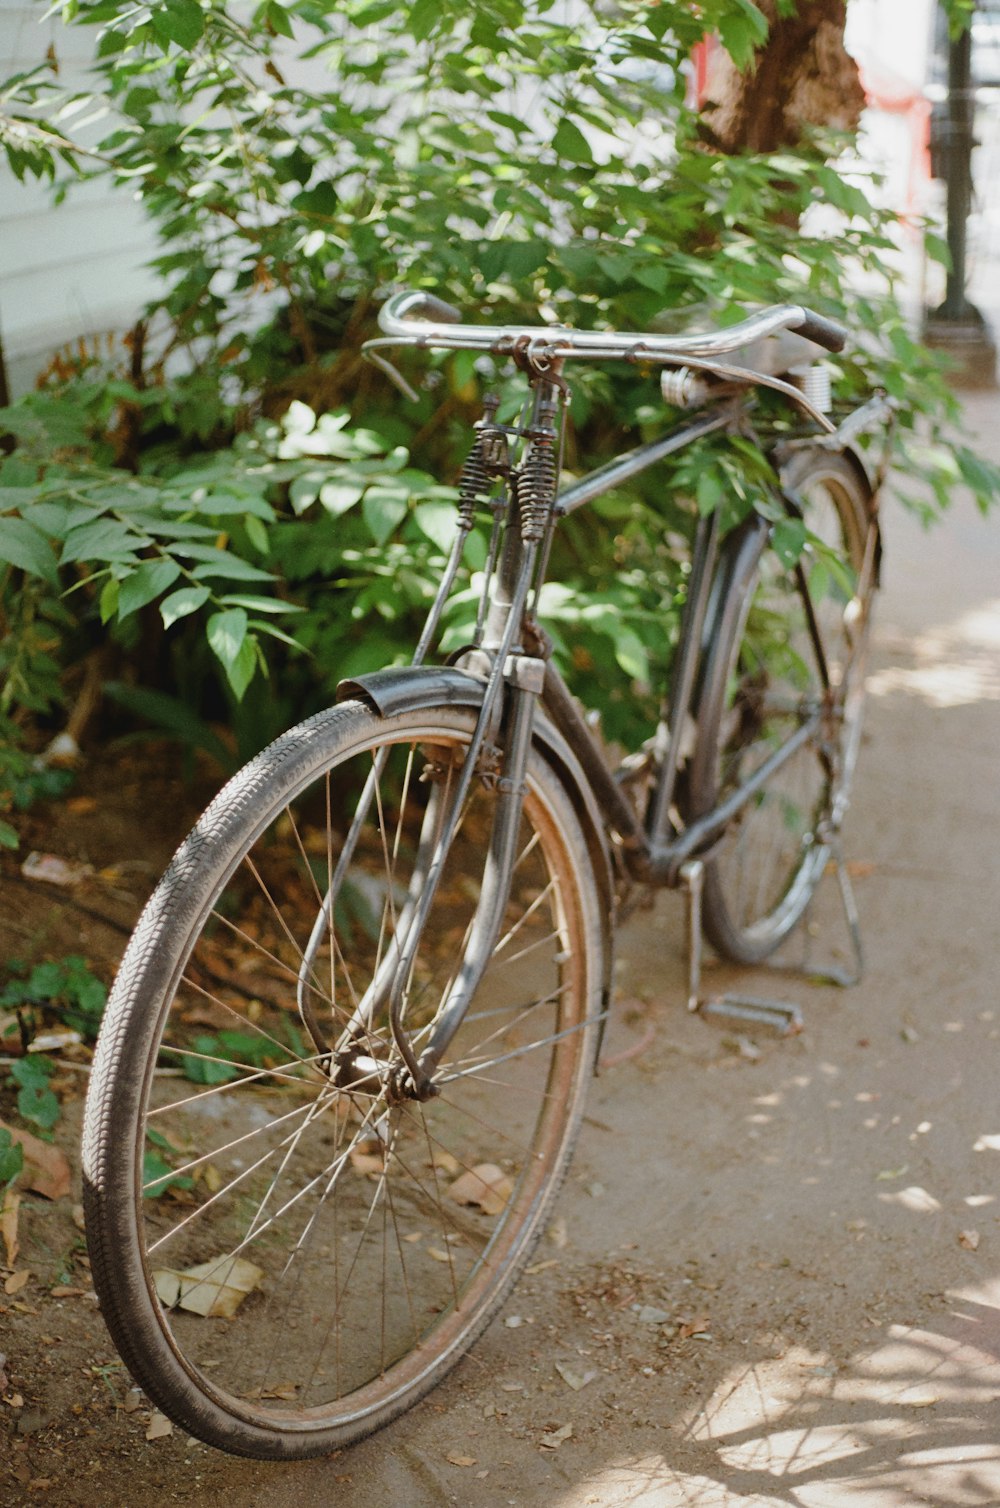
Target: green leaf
[[338, 497], [257, 533], [384, 509], [39, 1106], [422, 19], [437, 521], [570, 143], [8, 836], [226, 632], [242, 670], [630, 652], [220, 503], [103, 539], [222, 566], [179, 604], [200, 1070], [158, 1176], [144, 585], [710, 492], [788, 539], [260, 604], [742, 34], [24, 546], [280, 20], [11, 1157], [235, 648], [108, 601], [180, 21]]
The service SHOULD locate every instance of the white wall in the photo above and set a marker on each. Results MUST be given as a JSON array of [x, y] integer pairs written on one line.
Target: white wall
[[894, 35], [72, 274]]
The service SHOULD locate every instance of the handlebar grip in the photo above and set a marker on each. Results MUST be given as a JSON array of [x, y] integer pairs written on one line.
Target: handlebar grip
[[825, 332], [429, 306]]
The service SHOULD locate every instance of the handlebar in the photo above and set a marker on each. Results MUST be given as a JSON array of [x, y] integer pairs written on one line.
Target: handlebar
[[419, 318]]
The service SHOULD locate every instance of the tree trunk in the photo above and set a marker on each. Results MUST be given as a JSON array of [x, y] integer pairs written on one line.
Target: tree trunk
[[802, 76]]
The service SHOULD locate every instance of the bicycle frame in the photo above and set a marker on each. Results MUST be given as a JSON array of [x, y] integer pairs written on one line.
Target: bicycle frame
[[511, 661]]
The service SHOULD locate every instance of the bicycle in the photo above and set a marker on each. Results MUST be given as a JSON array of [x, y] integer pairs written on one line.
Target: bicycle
[[344, 1061]]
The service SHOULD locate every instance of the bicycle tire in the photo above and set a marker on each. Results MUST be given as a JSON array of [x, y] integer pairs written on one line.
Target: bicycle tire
[[212, 1132], [761, 672]]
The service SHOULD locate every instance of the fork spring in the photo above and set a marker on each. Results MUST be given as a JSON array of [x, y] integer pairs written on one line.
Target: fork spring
[[536, 487], [474, 483]]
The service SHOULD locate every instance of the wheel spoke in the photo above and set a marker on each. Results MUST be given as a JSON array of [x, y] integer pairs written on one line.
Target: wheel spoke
[[353, 1237]]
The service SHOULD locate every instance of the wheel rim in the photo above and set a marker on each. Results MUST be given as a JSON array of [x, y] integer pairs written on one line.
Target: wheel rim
[[380, 1236], [769, 862]]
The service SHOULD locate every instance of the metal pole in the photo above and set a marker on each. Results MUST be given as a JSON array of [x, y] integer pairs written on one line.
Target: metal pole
[[961, 108], [957, 327]]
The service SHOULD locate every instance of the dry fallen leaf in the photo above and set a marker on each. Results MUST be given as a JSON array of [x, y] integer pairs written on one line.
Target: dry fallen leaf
[[364, 1162], [52, 870], [969, 1239], [437, 1254], [159, 1426], [17, 1281], [575, 1380], [486, 1186], [553, 1439], [458, 1460], [697, 1326], [8, 1225], [55, 1040], [649, 1314], [216, 1288], [46, 1169], [81, 805], [445, 1163], [211, 1178], [557, 1232]]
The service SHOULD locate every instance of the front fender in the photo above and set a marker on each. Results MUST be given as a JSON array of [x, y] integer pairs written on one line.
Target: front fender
[[414, 688], [410, 688]]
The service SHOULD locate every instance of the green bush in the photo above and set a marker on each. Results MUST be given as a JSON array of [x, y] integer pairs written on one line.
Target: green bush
[[241, 497]]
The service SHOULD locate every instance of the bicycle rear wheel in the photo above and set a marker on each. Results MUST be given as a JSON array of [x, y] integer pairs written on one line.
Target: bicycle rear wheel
[[286, 1265], [774, 627]]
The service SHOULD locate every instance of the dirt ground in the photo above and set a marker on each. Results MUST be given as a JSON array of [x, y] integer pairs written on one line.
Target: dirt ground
[[776, 1261]]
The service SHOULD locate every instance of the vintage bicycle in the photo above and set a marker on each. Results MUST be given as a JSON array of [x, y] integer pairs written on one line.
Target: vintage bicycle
[[345, 1058]]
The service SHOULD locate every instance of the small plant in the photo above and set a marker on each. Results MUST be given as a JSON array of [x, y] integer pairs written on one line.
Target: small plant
[[64, 988], [11, 1158], [36, 1101], [23, 780], [158, 1177]]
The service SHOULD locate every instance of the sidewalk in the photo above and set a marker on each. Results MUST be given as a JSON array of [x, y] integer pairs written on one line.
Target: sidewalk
[[818, 1216]]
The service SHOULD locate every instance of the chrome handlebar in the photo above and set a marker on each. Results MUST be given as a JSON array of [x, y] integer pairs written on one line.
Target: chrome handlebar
[[417, 318]]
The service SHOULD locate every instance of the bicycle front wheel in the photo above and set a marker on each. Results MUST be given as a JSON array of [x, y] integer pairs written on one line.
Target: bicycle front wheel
[[286, 1265], [776, 629]]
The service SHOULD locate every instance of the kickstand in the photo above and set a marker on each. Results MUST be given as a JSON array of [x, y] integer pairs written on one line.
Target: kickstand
[[783, 1017]]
